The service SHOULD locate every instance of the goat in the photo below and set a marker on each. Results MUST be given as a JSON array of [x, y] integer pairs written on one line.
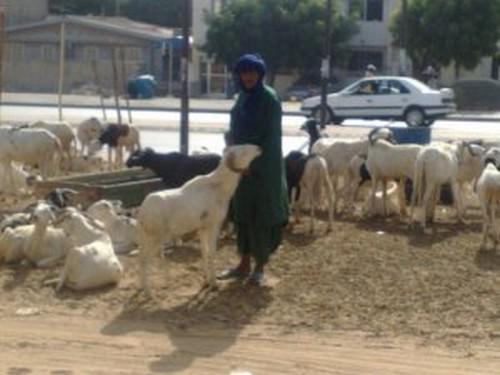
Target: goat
[[30, 146], [436, 164], [63, 131], [200, 205], [121, 228], [174, 168], [91, 261], [388, 161], [117, 137], [488, 191], [88, 131], [308, 175], [62, 197]]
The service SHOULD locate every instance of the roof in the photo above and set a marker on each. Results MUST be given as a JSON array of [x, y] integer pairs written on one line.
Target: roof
[[119, 25]]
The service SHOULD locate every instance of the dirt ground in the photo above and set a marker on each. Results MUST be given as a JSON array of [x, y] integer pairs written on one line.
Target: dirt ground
[[371, 297]]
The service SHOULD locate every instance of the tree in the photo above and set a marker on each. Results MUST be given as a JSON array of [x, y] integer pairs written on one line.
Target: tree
[[287, 33], [95, 7], [442, 32], [166, 13]]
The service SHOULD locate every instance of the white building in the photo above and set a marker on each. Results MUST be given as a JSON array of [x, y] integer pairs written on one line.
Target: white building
[[372, 45]]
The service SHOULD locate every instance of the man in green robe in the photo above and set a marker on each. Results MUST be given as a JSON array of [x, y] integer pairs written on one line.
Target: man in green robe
[[260, 205]]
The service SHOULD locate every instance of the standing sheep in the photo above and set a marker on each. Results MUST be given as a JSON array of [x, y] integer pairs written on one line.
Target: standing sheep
[[87, 132], [199, 205]]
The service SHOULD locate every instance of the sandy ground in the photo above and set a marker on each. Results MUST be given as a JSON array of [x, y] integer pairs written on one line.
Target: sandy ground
[[371, 297]]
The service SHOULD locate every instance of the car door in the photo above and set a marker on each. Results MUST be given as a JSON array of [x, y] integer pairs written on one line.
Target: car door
[[391, 99], [357, 101]]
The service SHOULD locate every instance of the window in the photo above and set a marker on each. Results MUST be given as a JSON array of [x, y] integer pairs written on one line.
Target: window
[[367, 10], [374, 10], [32, 52], [133, 54]]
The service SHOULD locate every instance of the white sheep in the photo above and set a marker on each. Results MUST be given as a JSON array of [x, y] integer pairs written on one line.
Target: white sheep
[[29, 146], [122, 229], [315, 182], [386, 161], [40, 244], [63, 131], [436, 164], [200, 205], [338, 155], [91, 261], [45, 246], [88, 131], [371, 208], [23, 180], [488, 191]]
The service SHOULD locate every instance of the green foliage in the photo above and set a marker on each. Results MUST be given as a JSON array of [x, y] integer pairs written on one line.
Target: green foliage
[[449, 31], [289, 34], [166, 13]]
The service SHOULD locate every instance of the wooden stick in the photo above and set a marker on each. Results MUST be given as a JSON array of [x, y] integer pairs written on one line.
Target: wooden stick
[[115, 86], [61, 68], [124, 84], [99, 89]]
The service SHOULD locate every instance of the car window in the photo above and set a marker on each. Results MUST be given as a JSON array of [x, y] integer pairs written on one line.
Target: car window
[[391, 87], [365, 88]]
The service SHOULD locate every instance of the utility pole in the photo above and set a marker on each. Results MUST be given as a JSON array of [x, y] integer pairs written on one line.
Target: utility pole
[[184, 131], [62, 45], [404, 38], [325, 63]]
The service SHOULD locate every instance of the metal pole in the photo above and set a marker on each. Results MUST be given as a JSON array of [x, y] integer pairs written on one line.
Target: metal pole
[[124, 85], [61, 67], [325, 64], [170, 66], [184, 131], [404, 37], [2, 43], [99, 89], [115, 86]]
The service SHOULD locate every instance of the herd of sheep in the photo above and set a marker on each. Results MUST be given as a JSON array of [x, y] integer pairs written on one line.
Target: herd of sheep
[[198, 189]]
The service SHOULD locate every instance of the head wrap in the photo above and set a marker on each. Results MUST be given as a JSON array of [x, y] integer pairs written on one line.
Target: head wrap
[[250, 61]]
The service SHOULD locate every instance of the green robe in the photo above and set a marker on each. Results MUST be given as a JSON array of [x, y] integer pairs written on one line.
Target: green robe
[[260, 204]]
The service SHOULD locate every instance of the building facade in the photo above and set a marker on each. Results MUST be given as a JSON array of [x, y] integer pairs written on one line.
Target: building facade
[[31, 60], [24, 11]]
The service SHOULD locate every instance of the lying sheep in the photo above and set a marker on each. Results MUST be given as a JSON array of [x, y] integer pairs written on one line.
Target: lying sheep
[[174, 168], [199, 205], [375, 207], [91, 261], [23, 181], [122, 229]]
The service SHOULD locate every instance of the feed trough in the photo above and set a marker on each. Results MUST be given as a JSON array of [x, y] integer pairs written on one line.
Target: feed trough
[[129, 185]]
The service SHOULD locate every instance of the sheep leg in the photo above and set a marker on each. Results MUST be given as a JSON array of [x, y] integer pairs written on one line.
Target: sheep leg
[[429, 191], [148, 246], [372, 194], [208, 241], [63, 276], [310, 197], [492, 222], [335, 185], [457, 198], [384, 196], [328, 188], [486, 219], [402, 197]]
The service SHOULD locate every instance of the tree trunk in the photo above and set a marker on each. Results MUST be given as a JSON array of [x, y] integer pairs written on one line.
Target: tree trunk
[[457, 71]]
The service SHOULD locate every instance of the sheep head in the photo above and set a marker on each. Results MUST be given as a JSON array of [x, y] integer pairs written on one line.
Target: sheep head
[[140, 158], [381, 133], [238, 158]]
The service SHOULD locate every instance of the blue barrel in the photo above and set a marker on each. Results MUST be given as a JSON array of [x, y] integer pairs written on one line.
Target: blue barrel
[[418, 135]]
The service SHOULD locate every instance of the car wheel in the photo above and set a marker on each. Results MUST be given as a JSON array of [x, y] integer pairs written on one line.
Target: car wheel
[[415, 117], [316, 114]]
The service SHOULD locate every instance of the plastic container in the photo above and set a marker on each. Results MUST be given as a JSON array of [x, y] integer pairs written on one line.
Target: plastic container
[[419, 135]]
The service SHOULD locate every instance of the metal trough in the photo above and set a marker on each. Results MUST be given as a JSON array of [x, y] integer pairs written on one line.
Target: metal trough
[[130, 186]]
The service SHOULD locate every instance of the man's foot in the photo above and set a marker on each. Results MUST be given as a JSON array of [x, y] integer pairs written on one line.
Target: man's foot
[[256, 278], [232, 274]]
